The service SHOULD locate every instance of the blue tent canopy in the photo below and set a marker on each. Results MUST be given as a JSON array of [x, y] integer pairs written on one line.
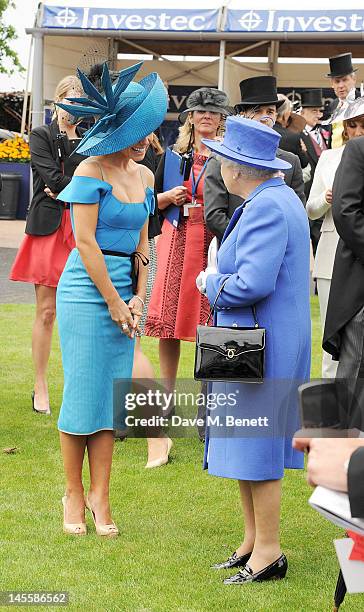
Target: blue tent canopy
[[162, 20], [202, 20]]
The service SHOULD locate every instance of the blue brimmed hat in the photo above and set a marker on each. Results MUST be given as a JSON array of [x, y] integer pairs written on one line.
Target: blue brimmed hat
[[250, 143], [128, 111]]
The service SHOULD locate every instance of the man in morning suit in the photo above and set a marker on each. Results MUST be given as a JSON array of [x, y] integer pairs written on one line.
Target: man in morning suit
[[259, 101], [314, 142], [343, 79], [344, 327]]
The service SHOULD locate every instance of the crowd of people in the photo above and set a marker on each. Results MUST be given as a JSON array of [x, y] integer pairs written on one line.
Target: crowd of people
[[263, 182]]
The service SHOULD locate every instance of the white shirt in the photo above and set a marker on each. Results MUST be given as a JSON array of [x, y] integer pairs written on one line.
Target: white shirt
[[349, 98], [315, 134]]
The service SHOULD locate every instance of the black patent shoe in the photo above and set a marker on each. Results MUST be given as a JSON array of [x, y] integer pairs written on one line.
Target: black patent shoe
[[275, 571], [233, 561]]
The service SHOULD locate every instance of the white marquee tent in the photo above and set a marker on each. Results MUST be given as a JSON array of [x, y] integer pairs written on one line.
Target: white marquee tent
[[191, 47]]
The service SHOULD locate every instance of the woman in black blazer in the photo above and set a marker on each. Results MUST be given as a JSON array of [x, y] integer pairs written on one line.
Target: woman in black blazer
[[48, 236]]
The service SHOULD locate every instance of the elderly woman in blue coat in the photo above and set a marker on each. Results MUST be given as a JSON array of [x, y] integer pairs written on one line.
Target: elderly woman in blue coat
[[264, 255]]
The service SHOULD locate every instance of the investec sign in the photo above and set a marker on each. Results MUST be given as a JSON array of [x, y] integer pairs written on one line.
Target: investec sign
[[129, 19], [295, 21]]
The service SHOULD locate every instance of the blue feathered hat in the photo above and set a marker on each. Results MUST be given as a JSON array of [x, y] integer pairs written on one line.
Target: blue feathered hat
[[127, 112]]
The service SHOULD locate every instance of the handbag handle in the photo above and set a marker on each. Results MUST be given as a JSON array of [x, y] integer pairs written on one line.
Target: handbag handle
[[254, 310]]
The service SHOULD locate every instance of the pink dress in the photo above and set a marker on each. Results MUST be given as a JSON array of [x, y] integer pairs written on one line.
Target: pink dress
[[176, 306], [40, 259]]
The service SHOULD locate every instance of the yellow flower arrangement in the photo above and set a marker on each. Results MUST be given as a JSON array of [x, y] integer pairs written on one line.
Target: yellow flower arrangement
[[14, 150]]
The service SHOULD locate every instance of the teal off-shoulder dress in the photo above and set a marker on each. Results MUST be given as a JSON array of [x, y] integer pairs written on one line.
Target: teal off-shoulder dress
[[94, 350]]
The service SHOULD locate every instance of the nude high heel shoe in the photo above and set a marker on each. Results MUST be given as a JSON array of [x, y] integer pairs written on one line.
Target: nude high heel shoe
[[47, 411], [161, 460], [77, 529], [107, 531]]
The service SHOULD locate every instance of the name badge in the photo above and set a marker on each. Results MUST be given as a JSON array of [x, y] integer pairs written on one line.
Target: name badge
[[187, 207]]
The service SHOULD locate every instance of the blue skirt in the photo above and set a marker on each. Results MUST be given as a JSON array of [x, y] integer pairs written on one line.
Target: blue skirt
[[252, 438], [94, 350]]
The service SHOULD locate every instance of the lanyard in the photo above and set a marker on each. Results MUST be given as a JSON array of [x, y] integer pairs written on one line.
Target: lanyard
[[195, 182]]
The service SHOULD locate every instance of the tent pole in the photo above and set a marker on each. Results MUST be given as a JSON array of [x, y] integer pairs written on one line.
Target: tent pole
[[273, 57], [112, 53], [26, 92], [222, 65], [37, 83]]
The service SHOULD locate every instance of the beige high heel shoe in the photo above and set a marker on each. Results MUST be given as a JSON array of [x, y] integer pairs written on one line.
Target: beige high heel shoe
[[161, 460], [46, 411], [107, 531], [77, 529]]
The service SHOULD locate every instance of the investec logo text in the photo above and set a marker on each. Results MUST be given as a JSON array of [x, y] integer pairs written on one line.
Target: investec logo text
[[274, 21], [119, 21]]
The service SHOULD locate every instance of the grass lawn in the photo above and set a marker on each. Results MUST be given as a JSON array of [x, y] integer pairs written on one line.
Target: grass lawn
[[175, 521]]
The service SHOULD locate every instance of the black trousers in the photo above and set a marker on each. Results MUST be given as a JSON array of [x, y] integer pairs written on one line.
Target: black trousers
[[350, 370]]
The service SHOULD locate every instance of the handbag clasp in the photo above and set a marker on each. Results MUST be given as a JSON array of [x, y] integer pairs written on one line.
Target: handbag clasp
[[231, 353]]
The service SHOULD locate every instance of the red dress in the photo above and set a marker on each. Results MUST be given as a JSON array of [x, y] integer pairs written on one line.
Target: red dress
[[176, 306], [40, 259]]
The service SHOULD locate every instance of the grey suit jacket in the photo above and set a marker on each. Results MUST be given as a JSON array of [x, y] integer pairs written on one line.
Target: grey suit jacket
[[219, 204]]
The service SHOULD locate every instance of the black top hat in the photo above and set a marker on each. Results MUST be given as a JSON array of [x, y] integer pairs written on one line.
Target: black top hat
[[340, 65], [259, 91], [311, 98]]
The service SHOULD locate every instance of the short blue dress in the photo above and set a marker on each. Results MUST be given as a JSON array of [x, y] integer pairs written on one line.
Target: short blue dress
[[94, 350]]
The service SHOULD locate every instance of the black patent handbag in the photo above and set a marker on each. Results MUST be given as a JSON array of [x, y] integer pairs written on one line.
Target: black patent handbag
[[233, 354]]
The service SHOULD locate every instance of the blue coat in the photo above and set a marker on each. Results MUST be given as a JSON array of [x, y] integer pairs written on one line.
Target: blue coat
[[265, 255]]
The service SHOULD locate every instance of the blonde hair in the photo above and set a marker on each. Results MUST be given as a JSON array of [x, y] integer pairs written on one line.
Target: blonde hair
[[156, 145], [345, 135], [63, 87], [186, 136]]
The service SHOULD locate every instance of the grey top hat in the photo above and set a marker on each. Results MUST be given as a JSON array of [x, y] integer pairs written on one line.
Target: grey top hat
[[206, 99]]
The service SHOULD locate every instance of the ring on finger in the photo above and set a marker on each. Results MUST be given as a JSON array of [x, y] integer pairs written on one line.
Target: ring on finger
[[124, 325]]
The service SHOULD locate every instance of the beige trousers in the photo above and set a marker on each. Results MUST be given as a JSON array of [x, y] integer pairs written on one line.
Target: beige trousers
[[329, 366]]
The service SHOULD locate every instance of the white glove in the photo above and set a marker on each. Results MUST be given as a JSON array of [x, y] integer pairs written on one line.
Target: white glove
[[211, 267], [212, 255], [306, 173]]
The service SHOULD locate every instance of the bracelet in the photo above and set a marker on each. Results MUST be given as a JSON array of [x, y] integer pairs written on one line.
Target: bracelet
[[139, 298]]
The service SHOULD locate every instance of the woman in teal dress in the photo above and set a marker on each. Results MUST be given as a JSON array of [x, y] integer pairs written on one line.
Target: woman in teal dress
[[100, 299]]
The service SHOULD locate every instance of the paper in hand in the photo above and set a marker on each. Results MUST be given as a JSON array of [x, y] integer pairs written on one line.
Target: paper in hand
[[353, 571], [172, 177], [335, 506]]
